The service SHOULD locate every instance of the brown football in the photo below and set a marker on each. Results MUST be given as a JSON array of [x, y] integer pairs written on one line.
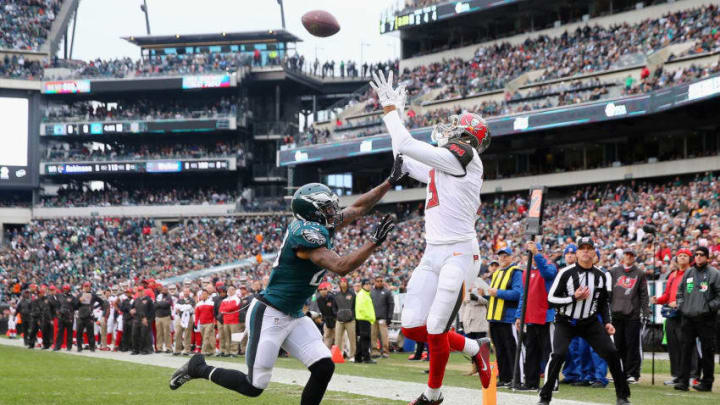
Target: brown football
[[320, 23]]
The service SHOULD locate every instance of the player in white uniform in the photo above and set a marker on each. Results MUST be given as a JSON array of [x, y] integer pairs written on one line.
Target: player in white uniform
[[453, 173]]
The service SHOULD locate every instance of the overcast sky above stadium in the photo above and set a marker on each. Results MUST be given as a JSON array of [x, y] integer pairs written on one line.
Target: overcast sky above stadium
[[101, 23]]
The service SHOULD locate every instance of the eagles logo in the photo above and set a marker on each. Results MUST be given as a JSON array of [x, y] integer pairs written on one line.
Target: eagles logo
[[313, 236]]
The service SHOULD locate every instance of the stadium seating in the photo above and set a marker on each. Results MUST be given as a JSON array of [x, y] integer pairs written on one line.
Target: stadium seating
[[111, 250]]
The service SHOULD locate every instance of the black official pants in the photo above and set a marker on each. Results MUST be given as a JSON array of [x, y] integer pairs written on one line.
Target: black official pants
[[63, 327], [594, 333], [536, 339], [674, 344], [503, 339], [87, 326], [363, 329], [25, 328], [47, 332], [126, 340], [627, 341], [703, 328], [139, 336]]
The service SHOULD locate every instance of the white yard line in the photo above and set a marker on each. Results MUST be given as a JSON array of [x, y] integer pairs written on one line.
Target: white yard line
[[373, 387]]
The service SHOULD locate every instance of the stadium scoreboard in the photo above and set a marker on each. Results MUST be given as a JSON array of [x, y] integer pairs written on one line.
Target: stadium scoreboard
[[18, 129], [431, 14]]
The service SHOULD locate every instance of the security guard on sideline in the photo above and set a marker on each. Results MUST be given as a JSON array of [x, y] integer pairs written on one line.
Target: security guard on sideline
[[506, 289]]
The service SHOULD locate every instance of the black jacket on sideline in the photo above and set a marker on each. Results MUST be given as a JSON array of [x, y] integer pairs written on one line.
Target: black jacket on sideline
[[163, 302], [383, 302], [325, 306], [699, 292], [344, 305]]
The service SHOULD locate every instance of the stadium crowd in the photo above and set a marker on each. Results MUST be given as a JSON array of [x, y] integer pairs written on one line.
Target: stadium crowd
[[648, 226], [25, 24], [144, 109], [80, 152], [70, 196]]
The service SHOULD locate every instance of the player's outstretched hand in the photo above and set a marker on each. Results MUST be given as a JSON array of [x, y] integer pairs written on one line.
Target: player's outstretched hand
[[382, 230], [387, 96], [397, 176]]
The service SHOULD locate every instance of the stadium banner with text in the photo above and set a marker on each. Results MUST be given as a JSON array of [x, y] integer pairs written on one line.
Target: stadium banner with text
[[112, 85], [587, 113], [431, 14], [66, 87], [150, 166], [136, 127]]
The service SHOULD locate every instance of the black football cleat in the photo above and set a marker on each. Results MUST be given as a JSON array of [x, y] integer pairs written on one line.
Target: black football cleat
[[423, 400], [187, 371]]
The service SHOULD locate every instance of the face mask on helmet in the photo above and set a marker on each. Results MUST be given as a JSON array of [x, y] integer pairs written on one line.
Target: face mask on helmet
[[444, 132], [328, 206]]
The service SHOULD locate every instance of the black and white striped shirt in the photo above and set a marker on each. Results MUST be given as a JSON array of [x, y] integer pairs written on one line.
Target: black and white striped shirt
[[570, 278]]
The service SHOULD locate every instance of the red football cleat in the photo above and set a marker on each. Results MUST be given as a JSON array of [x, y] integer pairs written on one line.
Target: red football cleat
[[482, 361]]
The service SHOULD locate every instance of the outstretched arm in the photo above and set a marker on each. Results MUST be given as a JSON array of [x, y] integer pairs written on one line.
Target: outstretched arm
[[438, 158], [331, 261], [326, 258], [364, 204]]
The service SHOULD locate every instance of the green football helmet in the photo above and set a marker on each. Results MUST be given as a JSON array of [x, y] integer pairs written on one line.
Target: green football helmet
[[315, 202]]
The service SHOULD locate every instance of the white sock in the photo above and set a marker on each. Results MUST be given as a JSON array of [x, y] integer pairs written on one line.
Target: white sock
[[432, 394], [471, 347]]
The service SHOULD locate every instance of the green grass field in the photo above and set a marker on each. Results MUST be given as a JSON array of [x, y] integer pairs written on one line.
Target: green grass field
[[397, 367], [41, 377], [29, 377]]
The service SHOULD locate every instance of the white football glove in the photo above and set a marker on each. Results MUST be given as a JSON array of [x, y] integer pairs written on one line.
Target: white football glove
[[388, 96]]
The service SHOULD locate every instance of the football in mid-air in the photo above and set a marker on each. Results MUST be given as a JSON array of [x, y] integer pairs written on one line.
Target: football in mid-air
[[320, 23]]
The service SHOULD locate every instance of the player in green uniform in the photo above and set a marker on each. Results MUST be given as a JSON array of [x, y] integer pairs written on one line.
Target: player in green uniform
[[275, 319]]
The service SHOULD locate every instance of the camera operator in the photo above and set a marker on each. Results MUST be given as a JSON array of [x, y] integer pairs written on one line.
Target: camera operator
[[85, 304]]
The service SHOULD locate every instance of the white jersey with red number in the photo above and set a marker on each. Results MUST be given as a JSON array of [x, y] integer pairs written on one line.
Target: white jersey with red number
[[454, 178]]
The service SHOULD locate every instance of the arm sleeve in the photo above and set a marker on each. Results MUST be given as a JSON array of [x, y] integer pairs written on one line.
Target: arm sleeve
[[558, 294], [439, 158], [604, 300], [548, 271], [663, 299], [644, 296], [714, 303], [680, 297], [390, 306], [515, 292]]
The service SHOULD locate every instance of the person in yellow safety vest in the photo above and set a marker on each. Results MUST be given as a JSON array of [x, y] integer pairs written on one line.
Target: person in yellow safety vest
[[504, 295], [364, 317]]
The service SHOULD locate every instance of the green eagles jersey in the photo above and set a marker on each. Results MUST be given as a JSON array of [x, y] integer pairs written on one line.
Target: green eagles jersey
[[293, 280]]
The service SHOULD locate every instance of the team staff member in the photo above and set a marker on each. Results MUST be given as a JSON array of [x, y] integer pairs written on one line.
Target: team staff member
[[65, 315], [163, 306], [581, 292], [184, 310], [698, 299], [506, 288], [365, 317], [672, 315], [629, 305], [325, 301], [41, 319], [538, 316], [344, 309], [384, 304], [141, 311], [85, 304]]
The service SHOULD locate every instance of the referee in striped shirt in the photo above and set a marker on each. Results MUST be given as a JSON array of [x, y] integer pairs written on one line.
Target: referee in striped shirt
[[581, 294]]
